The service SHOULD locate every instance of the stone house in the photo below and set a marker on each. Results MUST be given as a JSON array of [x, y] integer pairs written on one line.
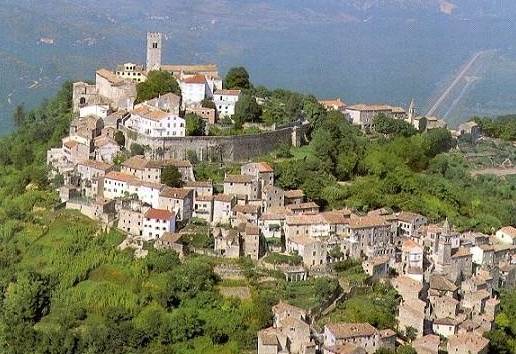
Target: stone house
[[150, 170], [411, 313], [171, 241], [208, 114], [168, 102], [483, 255], [475, 301], [178, 200], [409, 223], [506, 235], [345, 348], [388, 339], [312, 250], [91, 172], [295, 196], [428, 344], [408, 288], [461, 266], [467, 344], [362, 335], [251, 242], [203, 208], [242, 186], [440, 286], [223, 205], [261, 171], [245, 213], [228, 242], [313, 225], [120, 93], [377, 267], [443, 307], [200, 188], [157, 222], [100, 209], [369, 236], [272, 197], [445, 327], [412, 260], [272, 222], [131, 221], [303, 208], [283, 310], [105, 148]]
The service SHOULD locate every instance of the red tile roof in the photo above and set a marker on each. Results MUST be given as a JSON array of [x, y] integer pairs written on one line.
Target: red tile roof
[[159, 214]]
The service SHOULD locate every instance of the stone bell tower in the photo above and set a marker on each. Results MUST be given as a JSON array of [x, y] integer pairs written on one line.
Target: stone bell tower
[[154, 47]]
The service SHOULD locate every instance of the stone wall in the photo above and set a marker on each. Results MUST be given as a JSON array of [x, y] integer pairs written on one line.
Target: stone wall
[[218, 148]]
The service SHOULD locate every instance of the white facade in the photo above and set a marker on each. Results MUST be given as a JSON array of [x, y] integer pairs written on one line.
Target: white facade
[[225, 102], [147, 192], [156, 123], [194, 90], [506, 235], [97, 110], [116, 185], [156, 222]]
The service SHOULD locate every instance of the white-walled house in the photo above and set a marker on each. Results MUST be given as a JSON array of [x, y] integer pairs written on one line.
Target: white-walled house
[[194, 89], [154, 122], [147, 192], [225, 102], [116, 184], [156, 222], [97, 110], [506, 235]]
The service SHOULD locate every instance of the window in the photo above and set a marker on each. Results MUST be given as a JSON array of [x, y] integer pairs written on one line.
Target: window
[[155, 45]]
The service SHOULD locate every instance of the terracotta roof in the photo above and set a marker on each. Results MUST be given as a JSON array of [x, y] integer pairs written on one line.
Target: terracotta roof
[[361, 222], [171, 237], [196, 79], [378, 260], [439, 282], [469, 342], [225, 198], [70, 144], [99, 165], [386, 333], [307, 219], [427, 344], [351, 330], [462, 252], [137, 162], [175, 193], [295, 193], [238, 179], [204, 198], [509, 230], [301, 206], [335, 217], [344, 348], [277, 213], [159, 214], [154, 114], [407, 217], [247, 209], [227, 92], [199, 184], [410, 245], [264, 167], [302, 240], [335, 102], [110, 76], [104, 140], [269, 336], [119, 176]]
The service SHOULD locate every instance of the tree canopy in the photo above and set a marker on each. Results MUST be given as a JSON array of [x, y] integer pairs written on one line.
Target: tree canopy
[[195, 125], [171, 176], [157, 83], [237, 78], [246, 110]]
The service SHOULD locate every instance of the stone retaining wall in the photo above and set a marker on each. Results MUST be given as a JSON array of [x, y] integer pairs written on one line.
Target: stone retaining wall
[[218, 148]]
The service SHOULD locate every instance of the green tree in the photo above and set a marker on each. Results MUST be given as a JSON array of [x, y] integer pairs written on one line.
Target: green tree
[[157, 83], [137, 149], [195, 125], [171, 176], [208, 103], [405, 349], [237, 78], [246, 110], [120, 138], [19, 115], [384, 124]]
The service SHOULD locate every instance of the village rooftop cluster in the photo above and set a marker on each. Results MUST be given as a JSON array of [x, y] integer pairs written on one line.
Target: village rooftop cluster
[[447, 280]]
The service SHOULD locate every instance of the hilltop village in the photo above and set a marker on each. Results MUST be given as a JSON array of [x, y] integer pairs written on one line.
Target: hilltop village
[[447, 280]]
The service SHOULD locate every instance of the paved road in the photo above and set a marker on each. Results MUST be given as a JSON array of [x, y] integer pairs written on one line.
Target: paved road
[[454, 83]]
